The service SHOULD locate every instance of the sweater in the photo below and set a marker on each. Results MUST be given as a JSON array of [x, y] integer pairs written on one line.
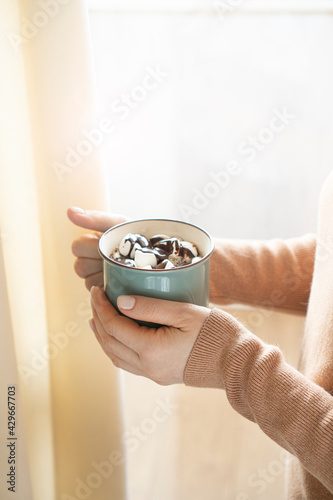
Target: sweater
[[293, 407]]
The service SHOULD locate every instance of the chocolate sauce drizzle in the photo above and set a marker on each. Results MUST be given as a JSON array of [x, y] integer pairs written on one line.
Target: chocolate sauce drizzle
[[161, 247]]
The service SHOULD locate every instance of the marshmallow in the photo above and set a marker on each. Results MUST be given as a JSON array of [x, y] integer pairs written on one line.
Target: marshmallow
[[160, 252], [145, 257], [129, 241], [136, 246], [171, 245], [125, 247], [165, 264], [186, 255], [189, 246], [157, 238]]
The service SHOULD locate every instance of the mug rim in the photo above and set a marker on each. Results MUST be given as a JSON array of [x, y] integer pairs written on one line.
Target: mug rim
[[186, 266]]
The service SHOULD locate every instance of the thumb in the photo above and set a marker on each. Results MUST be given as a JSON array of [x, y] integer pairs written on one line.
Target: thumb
[[94, 219], [164, 312]]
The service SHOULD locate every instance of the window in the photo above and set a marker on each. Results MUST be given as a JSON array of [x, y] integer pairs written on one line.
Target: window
[[222, 110]]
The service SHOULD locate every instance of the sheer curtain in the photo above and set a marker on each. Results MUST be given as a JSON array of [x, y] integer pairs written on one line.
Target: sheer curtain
[[222, 114], [66, 442]]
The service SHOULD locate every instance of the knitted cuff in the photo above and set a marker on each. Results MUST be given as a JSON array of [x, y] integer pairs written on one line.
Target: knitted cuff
[[204, 367]]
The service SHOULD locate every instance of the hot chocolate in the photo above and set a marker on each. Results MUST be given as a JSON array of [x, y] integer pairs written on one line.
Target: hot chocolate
[[158, 252]]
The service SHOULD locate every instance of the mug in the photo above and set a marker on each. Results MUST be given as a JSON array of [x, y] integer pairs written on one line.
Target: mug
[[189, 283]]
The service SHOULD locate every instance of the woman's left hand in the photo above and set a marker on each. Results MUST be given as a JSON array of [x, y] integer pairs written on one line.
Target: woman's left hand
[[156, 353]]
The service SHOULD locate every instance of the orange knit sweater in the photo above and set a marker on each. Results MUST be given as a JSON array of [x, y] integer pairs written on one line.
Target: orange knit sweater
[[294, 408]]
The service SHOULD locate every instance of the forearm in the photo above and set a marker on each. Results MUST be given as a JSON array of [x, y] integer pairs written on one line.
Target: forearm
[[275, 273], [260, 385]]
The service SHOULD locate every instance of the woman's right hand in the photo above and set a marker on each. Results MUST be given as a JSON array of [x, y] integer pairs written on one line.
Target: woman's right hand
[[88, 264]]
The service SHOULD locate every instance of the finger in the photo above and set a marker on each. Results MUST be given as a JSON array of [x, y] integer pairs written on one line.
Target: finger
[[94, 280], [118, 362], [120, 327], [94, 219], [86, 267], [164, 312], [114, 348], [87, 246]]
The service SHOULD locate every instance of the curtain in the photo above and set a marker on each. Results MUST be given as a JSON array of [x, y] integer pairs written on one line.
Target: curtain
[[60, 410]]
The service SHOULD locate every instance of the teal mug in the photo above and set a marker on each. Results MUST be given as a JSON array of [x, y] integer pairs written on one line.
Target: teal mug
[[188, 283]]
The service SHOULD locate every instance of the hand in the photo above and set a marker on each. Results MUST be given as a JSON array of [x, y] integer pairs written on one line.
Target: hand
[[156, 353], [89, 264]]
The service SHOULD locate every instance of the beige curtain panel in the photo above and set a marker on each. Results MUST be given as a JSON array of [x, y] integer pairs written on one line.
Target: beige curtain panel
[[66, 432], [60, 422]]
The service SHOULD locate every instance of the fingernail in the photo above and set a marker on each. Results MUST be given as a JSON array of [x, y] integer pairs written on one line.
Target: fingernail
[[78, 210], [91, 324], [126, 302]]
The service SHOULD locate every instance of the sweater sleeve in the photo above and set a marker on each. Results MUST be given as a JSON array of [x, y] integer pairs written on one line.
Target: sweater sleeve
[[292, 410], [275, 273]]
